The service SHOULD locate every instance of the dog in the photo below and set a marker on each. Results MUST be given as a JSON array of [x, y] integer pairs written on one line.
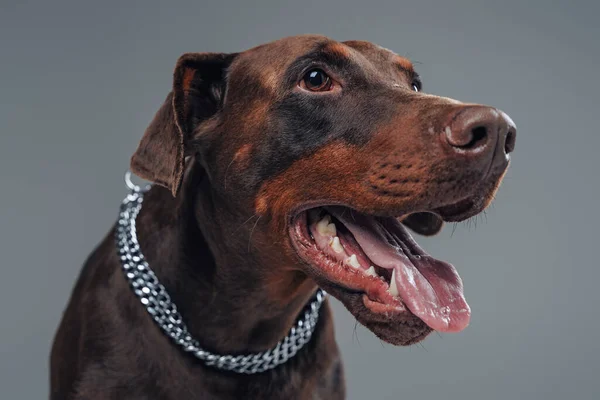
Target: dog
[[296, 165]]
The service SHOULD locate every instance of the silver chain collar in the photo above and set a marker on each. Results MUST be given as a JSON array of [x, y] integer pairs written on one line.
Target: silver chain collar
[[158, 303]]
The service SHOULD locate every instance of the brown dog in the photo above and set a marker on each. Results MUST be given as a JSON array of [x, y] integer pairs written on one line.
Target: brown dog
[[287, 166]]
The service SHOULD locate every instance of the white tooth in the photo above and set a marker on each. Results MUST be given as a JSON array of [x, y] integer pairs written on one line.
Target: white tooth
[[371, 271], [393, 289], [322, 224], [325, 227], [353, 261], [336, 245], [331, 229]]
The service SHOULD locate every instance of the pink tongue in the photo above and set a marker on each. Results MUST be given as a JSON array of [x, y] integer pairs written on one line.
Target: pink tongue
[[430, 288]]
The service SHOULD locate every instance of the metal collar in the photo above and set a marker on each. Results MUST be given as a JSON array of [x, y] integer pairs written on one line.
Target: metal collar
[[158, 303]]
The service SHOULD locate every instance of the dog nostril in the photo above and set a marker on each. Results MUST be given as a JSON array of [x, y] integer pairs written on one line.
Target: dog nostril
[[479, 130], [478, 137], [509, 144]]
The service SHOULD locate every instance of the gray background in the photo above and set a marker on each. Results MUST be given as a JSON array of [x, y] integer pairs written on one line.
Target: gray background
[[80, 82]]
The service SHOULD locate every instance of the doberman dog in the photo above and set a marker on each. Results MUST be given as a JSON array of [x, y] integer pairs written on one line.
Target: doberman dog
[[294, 165]]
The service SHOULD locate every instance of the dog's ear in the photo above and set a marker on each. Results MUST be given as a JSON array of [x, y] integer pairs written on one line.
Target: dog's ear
[[198, 89]]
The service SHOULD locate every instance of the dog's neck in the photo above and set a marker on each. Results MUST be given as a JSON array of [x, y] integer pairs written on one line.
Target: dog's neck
[[231, 300]]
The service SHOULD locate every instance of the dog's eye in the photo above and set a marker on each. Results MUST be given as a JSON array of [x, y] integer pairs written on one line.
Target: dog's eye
[[316, 80], [416, 87]]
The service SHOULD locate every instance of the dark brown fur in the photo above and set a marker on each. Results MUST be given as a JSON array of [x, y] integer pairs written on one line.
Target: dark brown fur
[[235, 150]]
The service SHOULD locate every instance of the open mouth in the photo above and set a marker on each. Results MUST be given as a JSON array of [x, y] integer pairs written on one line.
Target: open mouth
[[379, 259]]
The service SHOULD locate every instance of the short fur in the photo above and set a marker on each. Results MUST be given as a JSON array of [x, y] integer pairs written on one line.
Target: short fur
[[235, 150]]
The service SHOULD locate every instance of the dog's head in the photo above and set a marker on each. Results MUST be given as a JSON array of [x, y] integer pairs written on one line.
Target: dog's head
[[333, 149]]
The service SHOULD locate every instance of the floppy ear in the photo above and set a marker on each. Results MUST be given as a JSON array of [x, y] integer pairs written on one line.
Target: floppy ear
[[198, 88]]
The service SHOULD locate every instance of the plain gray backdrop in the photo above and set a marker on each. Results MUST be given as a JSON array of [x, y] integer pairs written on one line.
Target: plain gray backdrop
[[80, 81]]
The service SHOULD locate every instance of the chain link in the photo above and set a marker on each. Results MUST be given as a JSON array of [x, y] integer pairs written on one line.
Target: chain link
[[158, 303]]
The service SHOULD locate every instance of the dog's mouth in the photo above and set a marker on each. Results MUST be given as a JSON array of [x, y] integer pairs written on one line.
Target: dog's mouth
[[352, 254]]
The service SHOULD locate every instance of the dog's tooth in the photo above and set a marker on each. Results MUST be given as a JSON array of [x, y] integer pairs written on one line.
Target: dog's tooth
[[331, 229], [336, 245], [393, 289], [353, 261], [325, 227], [324, 221], [371, 271]]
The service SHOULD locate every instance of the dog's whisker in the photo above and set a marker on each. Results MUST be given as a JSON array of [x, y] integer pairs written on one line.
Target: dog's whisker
[[226, 172], [243, 223], [355, 334], [252, 231]]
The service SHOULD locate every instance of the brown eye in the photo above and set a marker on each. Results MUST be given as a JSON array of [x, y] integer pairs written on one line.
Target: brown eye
[[316, 80]]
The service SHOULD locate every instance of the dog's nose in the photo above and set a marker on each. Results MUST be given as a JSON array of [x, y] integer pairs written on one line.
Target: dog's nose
[[479, 130]]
